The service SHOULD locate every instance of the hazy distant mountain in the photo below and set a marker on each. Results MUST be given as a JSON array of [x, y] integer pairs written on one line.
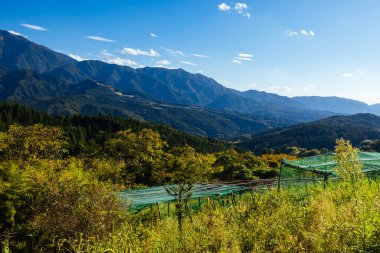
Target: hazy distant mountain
[[16, 52], [283, 101], [318, 134], [334, 104]]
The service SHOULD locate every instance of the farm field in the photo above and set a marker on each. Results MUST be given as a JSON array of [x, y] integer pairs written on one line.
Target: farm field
[[341, 218]]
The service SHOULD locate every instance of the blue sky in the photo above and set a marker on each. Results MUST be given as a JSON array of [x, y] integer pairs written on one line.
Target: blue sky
[[290, 47]]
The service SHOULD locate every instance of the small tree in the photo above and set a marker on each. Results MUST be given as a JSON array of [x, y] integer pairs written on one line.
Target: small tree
[[182, 194], [349, 165]]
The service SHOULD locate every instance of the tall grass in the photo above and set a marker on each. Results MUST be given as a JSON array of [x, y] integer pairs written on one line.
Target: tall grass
[[299, 219]]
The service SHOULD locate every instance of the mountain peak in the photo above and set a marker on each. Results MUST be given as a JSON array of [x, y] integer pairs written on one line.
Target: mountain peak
[[17, 52]]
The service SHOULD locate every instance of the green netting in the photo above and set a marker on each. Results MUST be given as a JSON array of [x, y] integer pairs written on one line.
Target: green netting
[[317, 168], [139, 199]]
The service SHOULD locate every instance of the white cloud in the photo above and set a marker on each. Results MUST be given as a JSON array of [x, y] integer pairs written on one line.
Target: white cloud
[[34, 27], [224, 7], [106, 53], [303, 32], [291, 33], [174, 52], [98, 38], [281, 89], [188, 63], [137, 51], [356, 73], [248, 15], [15, 33], [242, 57], [163, 62], [153, 35], [252, 85], [347, 75], [245, 55], [240, 7], [200, 55], [360, 72], [77, 57], [122, 62]]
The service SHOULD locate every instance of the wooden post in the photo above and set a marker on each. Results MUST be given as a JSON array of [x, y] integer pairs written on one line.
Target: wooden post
[[325, 180], [158, 209], [168, 208], [199, 204], [279, 176]]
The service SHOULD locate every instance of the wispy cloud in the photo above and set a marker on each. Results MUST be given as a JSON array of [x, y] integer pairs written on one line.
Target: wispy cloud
[[98, 38], [153, 35], [77, 57], [280, 89], [356, 73], [108, 57], [35, 27], [163, 62], [303, 32], [224, 7], [122, 62], [174, 52], [347, 75], [200, 55], [188, 63], [242, 57], [15, 33], [137, 51]]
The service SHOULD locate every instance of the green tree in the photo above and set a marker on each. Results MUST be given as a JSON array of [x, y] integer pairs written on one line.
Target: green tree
[[31, 142], [142, 153], [349, 165]]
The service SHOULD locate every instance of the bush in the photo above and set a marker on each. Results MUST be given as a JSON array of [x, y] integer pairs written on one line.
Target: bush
[[52, 200]]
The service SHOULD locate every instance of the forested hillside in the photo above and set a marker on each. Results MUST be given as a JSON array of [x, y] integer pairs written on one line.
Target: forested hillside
[[86, 134], [317, 134]]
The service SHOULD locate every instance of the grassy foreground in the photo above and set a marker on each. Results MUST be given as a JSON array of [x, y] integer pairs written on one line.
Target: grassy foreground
[[343, 218]]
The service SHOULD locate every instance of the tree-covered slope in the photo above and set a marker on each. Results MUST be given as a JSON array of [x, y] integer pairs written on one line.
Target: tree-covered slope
[[318, 134], [85, 132]]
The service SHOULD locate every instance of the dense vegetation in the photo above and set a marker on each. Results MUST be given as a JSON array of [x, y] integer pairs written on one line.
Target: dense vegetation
[[88, 134], [55, 198], [341, 218], [57, 178]]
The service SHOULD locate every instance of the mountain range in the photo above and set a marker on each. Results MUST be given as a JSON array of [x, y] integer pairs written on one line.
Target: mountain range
[[49, 81]]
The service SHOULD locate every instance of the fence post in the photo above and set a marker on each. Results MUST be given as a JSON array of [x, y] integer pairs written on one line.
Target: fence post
[[325, 180], [279, 176], [159, 212]]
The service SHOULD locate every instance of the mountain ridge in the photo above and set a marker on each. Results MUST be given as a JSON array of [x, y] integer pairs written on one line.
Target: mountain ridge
[[317, 134]]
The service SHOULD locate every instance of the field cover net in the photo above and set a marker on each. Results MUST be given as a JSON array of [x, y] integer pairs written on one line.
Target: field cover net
[[318, 168], [139, 199]]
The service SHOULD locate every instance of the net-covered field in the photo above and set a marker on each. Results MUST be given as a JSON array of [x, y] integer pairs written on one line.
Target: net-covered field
[[139, 199]]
